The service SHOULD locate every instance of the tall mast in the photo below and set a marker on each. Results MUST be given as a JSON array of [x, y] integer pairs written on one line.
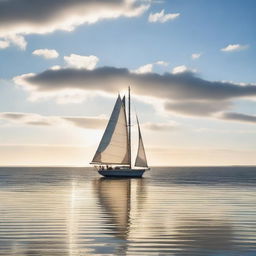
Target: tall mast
[[129, 126]]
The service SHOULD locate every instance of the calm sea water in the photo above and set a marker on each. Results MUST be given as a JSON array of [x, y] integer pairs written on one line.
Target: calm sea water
[[172, 211]]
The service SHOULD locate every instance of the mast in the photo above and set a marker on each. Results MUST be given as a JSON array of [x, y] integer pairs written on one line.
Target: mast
[[129, 127]]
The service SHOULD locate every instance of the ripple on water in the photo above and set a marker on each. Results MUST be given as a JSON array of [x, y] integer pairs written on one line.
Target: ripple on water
[[172, 211]]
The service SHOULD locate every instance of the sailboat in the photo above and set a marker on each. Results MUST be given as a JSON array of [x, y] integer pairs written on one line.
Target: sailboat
[[113, 156]]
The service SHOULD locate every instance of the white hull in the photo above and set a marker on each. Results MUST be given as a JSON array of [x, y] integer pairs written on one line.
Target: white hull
[[122, 173]]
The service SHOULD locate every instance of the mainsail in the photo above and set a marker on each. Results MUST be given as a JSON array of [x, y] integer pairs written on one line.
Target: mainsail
[[113, 147], [141, 160]]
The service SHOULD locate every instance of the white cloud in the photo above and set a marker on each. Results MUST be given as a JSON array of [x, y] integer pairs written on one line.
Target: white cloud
[[182, 69], [17, 40], [23, 17], [162, 17], [46, 53], [144, 69], [4, 44], [196, 55], [234, 47], [148, 68], [78, 61], [162, 63], [55, 67]]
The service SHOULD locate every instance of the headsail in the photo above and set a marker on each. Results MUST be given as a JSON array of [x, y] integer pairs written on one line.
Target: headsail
[[141, 160], [113, 147]]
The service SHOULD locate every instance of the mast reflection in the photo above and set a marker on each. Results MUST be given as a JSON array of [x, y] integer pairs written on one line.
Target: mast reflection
[[117, 198]]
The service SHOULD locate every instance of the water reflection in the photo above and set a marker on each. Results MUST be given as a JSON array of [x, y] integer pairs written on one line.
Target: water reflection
[[156, 227], [117, 198], [72, 212]]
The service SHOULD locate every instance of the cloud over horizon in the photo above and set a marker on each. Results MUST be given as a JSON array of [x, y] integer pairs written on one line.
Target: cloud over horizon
[[86, 122], [239, 117], [23, 17]]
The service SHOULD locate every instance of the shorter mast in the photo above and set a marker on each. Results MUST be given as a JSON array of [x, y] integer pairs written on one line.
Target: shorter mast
[[129, 128]]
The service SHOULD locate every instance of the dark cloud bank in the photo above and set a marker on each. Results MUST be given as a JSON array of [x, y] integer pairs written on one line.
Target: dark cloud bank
[[183, 86], [233, 116], [43, 16], [183, 93], [38, 11]]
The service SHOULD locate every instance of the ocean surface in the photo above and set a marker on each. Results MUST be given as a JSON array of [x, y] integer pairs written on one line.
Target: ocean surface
[[183, 211]]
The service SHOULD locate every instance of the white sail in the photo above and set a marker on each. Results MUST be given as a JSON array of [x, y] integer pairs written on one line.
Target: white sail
[[113, 147], [141, 160]]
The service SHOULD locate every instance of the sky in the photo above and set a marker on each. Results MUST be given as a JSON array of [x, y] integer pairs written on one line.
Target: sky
[[190, 65]]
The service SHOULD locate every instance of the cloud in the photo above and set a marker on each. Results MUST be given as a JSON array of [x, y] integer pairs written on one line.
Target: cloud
[[182, 69], [78, 61], [161, 126], [234, 47], [162, 17], [144, 69], [85, 122], [26, 118], [46, 53], [12, 115], [197, 108], [148, 68], [183, 93], [195, 56], [23, 17], [55, 67], [239, 117], [15, 39], [111, 80], [4, 44], [162, 63]]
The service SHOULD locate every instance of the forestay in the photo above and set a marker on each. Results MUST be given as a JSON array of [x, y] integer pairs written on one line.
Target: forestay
[[113, 147], [141, 160]]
